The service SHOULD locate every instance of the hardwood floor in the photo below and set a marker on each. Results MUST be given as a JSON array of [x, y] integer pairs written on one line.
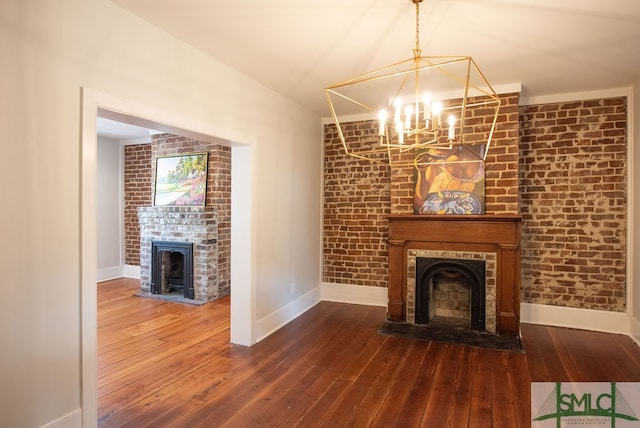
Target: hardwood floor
[[163, 364]]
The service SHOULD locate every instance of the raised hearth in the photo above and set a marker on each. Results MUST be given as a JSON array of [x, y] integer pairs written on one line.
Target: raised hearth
[[484, 237]]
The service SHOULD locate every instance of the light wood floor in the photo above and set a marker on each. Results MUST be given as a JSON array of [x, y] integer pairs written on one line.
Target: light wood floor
[[163, 364]]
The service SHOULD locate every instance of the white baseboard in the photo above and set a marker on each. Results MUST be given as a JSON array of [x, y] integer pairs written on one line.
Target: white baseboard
[[126, 271], [109, 273], [70, 420], [557, 316], [355, 294], [584, 319], [131, 271], [286, 314]]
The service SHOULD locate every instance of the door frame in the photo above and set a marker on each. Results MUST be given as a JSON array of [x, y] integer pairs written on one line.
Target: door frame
[[243, 173]]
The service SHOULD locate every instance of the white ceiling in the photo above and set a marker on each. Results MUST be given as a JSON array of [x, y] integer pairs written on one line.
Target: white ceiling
[[298, 47]]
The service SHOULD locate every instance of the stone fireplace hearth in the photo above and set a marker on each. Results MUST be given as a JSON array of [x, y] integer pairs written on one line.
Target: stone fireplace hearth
[[494, 240]]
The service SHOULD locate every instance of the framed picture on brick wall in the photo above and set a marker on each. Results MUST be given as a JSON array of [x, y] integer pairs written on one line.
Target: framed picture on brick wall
[[181, 180], [449, 180]]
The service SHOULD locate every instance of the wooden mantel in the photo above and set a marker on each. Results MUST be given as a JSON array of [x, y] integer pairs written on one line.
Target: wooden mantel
[[484, 233]]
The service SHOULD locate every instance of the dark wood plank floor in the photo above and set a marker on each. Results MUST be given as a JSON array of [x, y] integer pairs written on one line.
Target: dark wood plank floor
[[163, 364]]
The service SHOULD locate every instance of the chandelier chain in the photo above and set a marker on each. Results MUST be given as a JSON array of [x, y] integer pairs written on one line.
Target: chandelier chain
[[417, 25]]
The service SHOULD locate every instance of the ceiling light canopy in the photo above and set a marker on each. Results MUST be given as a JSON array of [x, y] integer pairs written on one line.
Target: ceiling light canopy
[[418, 103]]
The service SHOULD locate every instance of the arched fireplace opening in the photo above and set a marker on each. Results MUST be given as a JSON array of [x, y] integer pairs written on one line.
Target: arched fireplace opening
[[450, 290]]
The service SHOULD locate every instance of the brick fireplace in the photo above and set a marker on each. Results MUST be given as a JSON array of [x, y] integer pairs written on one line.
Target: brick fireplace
[[164, 223], [458, 240], [195, 228]]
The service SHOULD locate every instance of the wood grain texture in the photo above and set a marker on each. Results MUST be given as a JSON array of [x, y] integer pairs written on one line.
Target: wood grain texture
[[499, 234], [163, 364]]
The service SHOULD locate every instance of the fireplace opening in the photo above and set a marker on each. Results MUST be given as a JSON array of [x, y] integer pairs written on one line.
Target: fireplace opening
[[172, 268], [450, 292]]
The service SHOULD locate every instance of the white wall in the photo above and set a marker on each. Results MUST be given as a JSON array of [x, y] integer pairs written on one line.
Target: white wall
[[50, 50], [109, 208]]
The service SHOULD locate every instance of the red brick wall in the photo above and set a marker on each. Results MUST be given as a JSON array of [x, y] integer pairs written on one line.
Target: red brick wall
[[356, 203], [219, 195], [360, 194], [501, 176], [218, 190], [573, 202], [137, 193], [561, 166], [139, 170]]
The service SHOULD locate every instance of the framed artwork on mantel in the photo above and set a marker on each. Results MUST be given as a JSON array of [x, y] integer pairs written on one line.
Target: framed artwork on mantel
[[181, 180], [449, 181]]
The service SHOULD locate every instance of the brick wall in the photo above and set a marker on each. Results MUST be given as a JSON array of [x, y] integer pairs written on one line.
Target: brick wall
[[137, 193], [501, 168], [195, 225], [573, 202], [218, 190], [359, 195], [219, 196], [139, 171], [501, 177], [561, 166], [356, 203]]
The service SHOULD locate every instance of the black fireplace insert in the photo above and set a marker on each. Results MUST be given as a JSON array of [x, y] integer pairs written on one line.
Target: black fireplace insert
[[470, 272], [172, 268]]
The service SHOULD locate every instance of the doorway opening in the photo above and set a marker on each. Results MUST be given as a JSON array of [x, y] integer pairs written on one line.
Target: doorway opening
[[94, 105]]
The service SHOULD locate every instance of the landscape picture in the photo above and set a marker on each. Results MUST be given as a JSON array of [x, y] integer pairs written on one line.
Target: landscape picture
[[181, 180]]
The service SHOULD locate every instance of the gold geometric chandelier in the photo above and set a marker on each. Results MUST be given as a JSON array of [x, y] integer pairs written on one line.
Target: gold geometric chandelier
[[415, 104]]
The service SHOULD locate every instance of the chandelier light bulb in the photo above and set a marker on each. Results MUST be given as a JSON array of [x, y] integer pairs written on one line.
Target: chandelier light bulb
[[452, 127], [408, 111], [436, 109], [426, 103], [382, 122]]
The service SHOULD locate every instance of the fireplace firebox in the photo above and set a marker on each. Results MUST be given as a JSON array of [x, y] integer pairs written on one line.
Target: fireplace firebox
[[172, 268], [452, 289]]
